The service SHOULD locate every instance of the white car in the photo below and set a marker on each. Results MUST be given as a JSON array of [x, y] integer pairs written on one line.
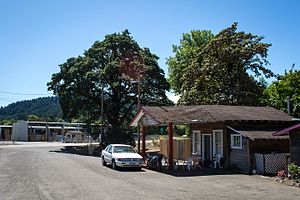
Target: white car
[[121, 155]]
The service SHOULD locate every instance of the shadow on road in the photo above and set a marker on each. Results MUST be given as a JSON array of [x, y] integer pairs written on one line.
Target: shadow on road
[[79, 150], [197, 172]]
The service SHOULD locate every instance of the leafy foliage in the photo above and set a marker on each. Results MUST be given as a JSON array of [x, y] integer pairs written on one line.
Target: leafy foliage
[[294, 170], [46, 108], [190, 48], [286, 87], [114, 65], [224, 71]]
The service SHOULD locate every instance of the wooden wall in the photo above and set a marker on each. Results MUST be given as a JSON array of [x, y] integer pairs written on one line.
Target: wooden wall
[[239, 158], [295, 146]]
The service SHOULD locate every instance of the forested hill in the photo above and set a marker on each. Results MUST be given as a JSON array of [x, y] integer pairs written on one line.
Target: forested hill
[[44, 108]]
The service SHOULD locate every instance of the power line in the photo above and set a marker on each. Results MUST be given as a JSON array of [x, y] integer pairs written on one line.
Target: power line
[[17, 93]]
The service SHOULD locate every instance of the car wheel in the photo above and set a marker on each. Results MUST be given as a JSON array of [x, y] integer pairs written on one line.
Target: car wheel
[[103, 161], [113, 163]]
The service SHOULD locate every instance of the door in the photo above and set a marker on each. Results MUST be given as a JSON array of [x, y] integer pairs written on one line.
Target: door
[[196, 142], [206, 147]]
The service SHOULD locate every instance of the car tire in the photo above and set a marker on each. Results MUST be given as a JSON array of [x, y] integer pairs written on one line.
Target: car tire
[[113, 164], [103, 161]]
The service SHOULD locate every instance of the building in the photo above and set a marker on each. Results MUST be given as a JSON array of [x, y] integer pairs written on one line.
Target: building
[[233, 133], [294, 135], [38, 130]]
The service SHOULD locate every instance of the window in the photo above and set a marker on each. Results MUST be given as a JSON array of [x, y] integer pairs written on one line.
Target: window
[[196, 142], [218, 142], [236, 141]]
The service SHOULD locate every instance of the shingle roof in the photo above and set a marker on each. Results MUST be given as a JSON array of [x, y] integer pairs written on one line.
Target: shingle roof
[[257, 134], [212, 113]]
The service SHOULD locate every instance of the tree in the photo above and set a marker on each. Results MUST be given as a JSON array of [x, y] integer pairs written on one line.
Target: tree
[[190, 48], [33, 118], [113, 65], [224, 71], [286, 88]]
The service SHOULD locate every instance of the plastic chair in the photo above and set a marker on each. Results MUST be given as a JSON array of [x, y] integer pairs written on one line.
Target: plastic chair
[[216, 163]]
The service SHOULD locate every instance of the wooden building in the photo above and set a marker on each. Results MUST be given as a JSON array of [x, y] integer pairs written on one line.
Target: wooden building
[[233, 133], [294, 135]]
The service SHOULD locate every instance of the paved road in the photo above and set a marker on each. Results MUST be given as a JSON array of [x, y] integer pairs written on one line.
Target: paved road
[[43, 172]]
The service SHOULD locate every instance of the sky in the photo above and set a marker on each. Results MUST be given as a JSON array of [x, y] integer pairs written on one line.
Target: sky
[[38, 35]]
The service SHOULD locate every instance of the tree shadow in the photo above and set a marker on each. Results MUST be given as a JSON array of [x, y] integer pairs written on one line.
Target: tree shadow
[[79, 150]]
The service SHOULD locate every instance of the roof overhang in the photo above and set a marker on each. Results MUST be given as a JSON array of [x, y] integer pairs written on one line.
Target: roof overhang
[[142, 117], [287, 131]]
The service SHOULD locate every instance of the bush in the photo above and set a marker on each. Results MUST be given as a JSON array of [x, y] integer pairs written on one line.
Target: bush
[[294, 170]]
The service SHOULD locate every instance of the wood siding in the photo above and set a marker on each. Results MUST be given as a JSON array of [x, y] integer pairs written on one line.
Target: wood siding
[[239, 158], [295, 146], [208, 128]]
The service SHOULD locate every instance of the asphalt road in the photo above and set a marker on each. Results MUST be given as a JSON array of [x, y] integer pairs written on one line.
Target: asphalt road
[[44, 172]]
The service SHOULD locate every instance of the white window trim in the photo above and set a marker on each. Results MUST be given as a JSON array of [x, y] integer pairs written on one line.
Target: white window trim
[[214, 141], [241, 141], [202, 144], [194, 133]]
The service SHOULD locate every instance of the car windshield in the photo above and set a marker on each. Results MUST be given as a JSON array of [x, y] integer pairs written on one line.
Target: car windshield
[[123, 149]]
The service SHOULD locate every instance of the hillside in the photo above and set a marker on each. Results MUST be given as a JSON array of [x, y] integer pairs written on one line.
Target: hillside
[[44, 107]]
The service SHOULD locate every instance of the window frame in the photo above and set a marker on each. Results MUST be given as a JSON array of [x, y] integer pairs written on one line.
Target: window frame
[[214, 141], [232, 141]]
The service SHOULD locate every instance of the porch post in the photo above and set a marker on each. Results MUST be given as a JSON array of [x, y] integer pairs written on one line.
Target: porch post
[[143, 141], [170, 167]]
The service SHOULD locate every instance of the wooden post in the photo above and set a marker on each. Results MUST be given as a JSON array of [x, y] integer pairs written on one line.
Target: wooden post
[[170, 167], [143, 141]]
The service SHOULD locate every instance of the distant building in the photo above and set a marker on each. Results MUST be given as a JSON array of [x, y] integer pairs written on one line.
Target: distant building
[[38, 130]]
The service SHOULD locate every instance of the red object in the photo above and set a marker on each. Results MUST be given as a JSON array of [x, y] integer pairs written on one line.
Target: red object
[[170, 167], [287, 130], [143, 141]]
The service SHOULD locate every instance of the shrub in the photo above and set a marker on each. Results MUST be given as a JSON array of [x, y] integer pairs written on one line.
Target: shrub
[[294, 170]]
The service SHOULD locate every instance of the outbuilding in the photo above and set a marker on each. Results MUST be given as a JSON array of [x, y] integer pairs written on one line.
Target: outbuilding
[[233, 133]]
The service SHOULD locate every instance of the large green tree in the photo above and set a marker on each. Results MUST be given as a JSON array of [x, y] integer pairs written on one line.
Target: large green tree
[[226, 70], [115, 65], [190, 47], [286, 88]]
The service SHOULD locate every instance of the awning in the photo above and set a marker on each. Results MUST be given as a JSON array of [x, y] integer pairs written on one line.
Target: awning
[[287, 131]]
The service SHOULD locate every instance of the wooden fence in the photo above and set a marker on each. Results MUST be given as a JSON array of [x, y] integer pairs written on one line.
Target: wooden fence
[[181, 148]]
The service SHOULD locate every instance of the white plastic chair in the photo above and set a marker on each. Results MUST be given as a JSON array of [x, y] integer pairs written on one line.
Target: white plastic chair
[[217, 161]]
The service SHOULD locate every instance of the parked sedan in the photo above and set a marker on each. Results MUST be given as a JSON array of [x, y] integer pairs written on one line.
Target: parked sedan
[[121, 155]]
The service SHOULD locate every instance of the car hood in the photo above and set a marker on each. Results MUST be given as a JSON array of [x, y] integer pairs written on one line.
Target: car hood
[[127, 155]]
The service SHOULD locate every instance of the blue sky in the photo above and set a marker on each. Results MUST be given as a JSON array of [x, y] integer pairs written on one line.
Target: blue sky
[[38, 35]]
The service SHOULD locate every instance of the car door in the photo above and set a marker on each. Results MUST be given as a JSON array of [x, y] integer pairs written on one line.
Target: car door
[[105, 152], [109, 154]]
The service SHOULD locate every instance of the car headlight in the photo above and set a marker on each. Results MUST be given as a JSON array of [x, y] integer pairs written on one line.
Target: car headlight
[[141, 160], [121, 159]]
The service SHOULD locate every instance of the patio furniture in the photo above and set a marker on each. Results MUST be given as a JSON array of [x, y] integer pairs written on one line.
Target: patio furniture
[[216, 162], [193, 162]]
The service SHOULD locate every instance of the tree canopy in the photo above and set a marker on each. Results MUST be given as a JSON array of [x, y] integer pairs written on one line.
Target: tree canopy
[[285, 88], [190, 48], [223, 71], [115, 65]]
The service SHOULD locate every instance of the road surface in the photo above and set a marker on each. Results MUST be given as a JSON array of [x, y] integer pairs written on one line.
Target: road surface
[[43, 171]]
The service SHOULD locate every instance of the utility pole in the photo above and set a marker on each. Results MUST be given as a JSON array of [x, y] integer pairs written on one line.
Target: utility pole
[[289, 105], [139, 105], [102, 99]]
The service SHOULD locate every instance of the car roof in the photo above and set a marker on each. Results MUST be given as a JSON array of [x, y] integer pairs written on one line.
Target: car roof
[[125, 145]]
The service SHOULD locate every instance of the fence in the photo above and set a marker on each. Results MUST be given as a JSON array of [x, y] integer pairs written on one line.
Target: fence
[[181, 148], [270, 163]]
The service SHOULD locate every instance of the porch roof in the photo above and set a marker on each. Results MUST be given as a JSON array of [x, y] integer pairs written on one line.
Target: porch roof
[[287, 131], [162, 115], [257, 134]]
